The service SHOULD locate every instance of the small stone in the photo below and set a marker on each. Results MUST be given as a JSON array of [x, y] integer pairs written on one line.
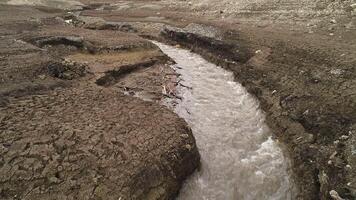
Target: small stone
[[42, 77], [331, 34], [69, 21], [95, 180], [330, 162], [333, 155], [333, 21], [188, 146], [348, 167], [353, 6], [344, 137], [185, 136], [334, 195], [258, 51], [54, 180]]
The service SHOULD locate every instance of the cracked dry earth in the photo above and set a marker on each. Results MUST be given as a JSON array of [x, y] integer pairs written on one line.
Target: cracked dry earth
[[83, 143], [64, 135], [70, 128]]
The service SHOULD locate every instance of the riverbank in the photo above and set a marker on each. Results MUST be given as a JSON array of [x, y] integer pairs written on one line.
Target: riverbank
[[302, 73], [70, 126]]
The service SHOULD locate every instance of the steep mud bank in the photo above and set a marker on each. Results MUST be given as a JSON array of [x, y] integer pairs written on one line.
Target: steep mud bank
[[315, 135]]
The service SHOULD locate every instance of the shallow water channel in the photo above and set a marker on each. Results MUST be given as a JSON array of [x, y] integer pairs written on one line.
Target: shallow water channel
[[240, 161]]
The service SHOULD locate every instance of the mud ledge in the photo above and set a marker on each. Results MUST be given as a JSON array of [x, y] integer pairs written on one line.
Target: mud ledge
[[85, 141], [318, 159], [111, 76], [64, 137]]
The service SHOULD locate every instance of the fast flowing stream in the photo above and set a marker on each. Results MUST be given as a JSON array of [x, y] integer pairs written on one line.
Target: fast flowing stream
[[239, 159]]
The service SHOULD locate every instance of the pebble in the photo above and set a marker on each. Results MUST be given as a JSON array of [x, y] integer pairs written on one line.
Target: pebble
[[54, 180], [185, 136], [188, 146], [333, 155], [334, 195], [69, 21], [42, 76], [353, 6], [344, 137]]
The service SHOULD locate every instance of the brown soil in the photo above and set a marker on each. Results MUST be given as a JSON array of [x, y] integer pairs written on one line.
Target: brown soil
[[303, 76], [64, 136], [304, 81]]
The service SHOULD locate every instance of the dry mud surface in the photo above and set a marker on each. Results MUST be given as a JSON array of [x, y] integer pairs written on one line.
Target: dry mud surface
[[70, 128]]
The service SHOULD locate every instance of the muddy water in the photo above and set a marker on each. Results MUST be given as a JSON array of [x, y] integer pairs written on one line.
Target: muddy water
[[239, 158]]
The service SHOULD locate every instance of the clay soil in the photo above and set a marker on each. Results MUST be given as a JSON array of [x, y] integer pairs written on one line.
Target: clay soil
[[70, 128]]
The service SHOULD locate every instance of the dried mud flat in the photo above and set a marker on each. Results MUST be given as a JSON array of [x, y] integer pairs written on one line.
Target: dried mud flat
[[70, 128], [68, 131]]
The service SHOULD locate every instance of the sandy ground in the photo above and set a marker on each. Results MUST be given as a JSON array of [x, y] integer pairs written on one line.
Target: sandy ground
[[300, 66]]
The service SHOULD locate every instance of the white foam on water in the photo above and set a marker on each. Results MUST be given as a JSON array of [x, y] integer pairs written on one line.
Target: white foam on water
[[240, 160]]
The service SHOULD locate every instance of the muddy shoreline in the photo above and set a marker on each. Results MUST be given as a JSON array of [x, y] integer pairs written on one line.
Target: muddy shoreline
[[306, 88], [313, 155]]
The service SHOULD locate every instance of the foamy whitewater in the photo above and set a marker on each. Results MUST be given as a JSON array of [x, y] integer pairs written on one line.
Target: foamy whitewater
[[239, 159]]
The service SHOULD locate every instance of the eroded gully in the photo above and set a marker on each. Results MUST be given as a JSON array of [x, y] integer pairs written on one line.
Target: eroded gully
[[240, 160]]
